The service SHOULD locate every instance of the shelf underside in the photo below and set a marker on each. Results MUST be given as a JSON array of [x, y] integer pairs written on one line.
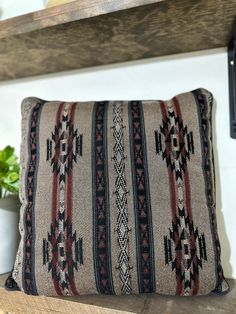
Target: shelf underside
[[71, 39]]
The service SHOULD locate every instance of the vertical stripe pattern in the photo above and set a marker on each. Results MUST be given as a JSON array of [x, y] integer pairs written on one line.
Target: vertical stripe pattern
[[118, 198], [142, 202], [176, 151], [62, 207], [61, 250], [28, 273], [101, 215], [121, 192], [204, 106]]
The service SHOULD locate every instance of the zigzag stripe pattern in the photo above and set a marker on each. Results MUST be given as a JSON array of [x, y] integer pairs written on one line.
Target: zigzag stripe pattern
[[121, 199]]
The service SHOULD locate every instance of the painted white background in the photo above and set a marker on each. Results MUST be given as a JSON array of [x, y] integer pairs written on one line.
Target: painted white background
[[158, 78], [12, 8]]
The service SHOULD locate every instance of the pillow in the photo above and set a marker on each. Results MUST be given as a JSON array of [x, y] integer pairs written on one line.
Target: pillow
[[118, 197]]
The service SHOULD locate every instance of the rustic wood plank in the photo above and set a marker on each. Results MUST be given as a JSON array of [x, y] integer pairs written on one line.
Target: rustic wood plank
[[65, 13], [18, 302], [152, 30]]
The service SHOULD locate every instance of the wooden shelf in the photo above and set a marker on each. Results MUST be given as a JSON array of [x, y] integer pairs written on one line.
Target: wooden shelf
[[91, 33], [66, 13], [18, 302]]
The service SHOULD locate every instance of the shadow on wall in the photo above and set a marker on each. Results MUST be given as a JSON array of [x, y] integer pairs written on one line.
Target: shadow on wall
[[225, 245]]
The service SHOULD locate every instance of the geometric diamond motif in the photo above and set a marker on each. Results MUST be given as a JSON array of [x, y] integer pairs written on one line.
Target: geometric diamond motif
[[64, 146], [121, 192], [185, 248], [55, 245], [61, 250], [174, 142]]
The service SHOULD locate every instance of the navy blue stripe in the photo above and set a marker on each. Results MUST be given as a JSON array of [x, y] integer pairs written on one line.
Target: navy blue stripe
[[33, 129], [204, 108], [145, 270], [102, 267]]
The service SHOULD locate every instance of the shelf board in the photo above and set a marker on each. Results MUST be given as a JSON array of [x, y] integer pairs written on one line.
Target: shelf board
[[90, 33], [65, 13], [18, 302]]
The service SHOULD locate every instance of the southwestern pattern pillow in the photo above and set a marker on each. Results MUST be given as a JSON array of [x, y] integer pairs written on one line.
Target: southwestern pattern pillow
[[118, 197]]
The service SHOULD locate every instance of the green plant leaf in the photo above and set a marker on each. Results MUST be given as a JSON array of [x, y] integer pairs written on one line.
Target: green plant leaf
[[11, 187], [6, 153], [11, 178], [13, 164], [12, 160], [14, 168], [9, 171], [4, 168]]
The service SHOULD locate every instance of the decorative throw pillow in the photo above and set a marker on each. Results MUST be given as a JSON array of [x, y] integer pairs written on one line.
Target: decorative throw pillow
[[118, 197]]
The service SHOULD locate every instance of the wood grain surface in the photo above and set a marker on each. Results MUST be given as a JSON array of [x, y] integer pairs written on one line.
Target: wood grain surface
[[65, 13], [145, 31], [18, 302]]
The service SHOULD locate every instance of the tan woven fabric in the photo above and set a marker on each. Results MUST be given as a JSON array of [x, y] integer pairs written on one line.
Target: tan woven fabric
[[118, 198]]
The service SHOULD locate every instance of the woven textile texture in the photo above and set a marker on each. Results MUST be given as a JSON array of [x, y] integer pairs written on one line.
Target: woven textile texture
[[118, 197]]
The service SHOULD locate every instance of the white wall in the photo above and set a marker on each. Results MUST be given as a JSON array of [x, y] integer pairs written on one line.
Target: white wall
[[12, 8], [158, 78]]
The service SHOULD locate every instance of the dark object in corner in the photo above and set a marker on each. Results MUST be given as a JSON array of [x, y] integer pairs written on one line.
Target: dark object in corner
[[10, 284]]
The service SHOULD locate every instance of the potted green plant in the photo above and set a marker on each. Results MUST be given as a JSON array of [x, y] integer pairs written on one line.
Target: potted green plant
[[9, 208]]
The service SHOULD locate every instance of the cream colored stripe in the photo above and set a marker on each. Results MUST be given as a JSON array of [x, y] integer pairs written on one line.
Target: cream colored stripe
[[82, 200], [113, 206]]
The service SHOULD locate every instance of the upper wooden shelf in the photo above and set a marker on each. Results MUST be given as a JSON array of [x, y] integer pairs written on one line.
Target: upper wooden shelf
[[61, 14], [90, 33]]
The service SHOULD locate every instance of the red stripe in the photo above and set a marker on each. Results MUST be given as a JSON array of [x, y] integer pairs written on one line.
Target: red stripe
[[170, 173], [69, 182], [54, 197], [173, 198], [69, 203], [55, 203], [187, 194], [192, 240], [179, 255], [179, 282], [187, 191], [55, 179], [54, 213], [187, 200], [177, 108]]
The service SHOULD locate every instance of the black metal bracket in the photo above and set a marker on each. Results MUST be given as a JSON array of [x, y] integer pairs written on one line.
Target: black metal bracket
[[232, 81]]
